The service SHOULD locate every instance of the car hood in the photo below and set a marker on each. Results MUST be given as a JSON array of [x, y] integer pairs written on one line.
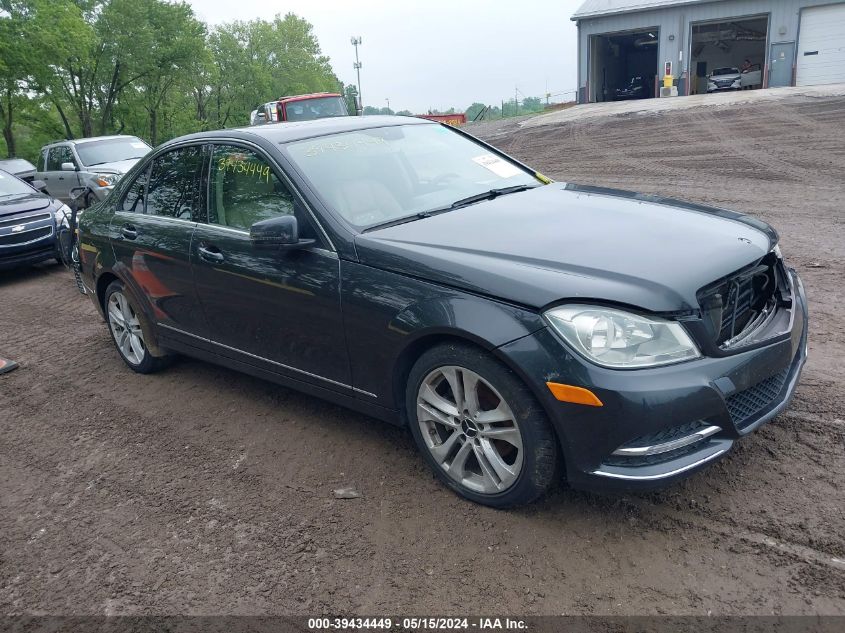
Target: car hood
[[118, 167], [576, 243], [23, 202], [733, 76]]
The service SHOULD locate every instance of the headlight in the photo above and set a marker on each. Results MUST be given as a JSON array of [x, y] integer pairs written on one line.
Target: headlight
[[618, 339], [62, 216], [106, 180]]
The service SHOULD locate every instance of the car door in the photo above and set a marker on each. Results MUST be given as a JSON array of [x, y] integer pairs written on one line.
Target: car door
[[151, 232], [277, 309], [60, 182]]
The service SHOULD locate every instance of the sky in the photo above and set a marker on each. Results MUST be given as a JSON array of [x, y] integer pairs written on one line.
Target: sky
[[425, 54]]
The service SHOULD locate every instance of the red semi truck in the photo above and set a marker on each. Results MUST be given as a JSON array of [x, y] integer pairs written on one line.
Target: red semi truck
[[318, 105]]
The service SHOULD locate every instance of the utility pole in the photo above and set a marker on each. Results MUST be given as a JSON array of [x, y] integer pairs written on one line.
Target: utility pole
[[388, 103], [356, 41], [516, 99]]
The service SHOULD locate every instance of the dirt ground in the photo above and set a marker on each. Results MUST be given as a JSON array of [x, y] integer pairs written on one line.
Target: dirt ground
[[203, 491]]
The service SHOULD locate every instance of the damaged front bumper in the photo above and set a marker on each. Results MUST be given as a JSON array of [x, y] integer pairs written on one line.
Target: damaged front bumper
[[658, 425]]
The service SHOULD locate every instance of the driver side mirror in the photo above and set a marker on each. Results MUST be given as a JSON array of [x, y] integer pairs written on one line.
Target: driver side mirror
[[39, 185], [281, 232], [68, 167]]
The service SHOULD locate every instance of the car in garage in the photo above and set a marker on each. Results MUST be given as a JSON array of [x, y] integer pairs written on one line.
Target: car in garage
[[728, 78], [29, 220], [519, 327], [96, 163], [638, 88]]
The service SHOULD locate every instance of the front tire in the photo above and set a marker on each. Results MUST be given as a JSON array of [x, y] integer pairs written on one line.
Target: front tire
[[126, 326], [479, 427]]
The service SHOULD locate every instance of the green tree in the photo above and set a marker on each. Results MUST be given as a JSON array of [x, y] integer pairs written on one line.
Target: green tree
[[474, 110], [32, 34], [165, 41], [351, 94], [259, 61]]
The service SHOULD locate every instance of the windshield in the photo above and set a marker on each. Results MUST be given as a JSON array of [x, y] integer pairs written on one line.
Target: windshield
[[319, 108], [111, 150], [726, 71], [379, 175], [11, 186]]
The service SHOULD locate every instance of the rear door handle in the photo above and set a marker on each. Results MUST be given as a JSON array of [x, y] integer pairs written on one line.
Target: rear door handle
[[210, 254], [129, 232]]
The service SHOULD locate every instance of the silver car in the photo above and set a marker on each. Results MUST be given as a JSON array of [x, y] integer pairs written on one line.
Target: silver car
[[97, 163], [724, 79]]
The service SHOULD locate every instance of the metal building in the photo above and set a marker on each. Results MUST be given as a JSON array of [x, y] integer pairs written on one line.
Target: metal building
[[623, 42]]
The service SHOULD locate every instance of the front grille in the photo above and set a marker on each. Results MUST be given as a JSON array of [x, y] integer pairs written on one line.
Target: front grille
[[747, 405], [24, 237], [741, 301], [23, 219]]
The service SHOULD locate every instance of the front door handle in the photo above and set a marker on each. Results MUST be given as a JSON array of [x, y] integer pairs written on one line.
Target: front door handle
[[210, 254], [129, 232]]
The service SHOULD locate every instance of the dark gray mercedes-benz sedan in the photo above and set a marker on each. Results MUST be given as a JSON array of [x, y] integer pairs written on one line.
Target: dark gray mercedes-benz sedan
[[521, 328]]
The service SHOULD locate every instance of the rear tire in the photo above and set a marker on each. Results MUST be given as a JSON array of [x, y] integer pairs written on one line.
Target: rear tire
[[126, 325], [493, 443]]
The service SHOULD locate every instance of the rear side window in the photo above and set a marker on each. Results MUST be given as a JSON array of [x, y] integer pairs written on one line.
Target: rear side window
[[42, 161], [173, 187]]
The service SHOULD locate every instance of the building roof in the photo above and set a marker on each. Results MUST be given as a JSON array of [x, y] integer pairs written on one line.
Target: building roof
[[596, 8]]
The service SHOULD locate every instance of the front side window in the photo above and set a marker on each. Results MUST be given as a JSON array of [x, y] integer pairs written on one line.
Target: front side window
[[244, 190], [58, 155], [133, 200], [173, 188], [378, 175]]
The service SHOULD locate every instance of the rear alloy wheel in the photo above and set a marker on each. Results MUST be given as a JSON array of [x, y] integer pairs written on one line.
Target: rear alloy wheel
[[127, 331], [479, 427]]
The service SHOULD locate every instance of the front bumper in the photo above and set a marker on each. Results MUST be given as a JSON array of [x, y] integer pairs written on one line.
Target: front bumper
[[713, 87], [42, 247], [659, 425]]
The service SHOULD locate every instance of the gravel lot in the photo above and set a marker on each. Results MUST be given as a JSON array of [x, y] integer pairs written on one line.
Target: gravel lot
[[204, 491]]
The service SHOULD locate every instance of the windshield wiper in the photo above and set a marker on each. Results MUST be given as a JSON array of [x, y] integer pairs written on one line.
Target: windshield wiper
[[487, 195], [479, 197], [398, 221]]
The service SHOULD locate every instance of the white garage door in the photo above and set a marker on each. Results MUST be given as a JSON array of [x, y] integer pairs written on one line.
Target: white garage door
[[821, 46]]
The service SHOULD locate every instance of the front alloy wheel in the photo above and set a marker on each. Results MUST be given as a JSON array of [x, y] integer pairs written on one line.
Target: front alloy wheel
[[479, 427], [469, 429]]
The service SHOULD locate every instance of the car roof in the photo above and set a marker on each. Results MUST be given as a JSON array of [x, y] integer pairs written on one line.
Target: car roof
[[290, 131], [79, 141]]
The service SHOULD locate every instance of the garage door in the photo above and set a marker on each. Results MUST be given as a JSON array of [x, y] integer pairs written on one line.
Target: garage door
[[821, 46]]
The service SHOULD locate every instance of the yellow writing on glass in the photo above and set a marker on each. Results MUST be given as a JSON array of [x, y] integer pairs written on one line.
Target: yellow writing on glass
[[238, 165]]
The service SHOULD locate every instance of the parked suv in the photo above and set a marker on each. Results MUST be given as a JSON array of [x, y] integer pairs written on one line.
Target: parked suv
[[97, 163]]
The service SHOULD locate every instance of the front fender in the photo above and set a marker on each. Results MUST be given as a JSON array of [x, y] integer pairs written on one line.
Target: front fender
[[391, 319]]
